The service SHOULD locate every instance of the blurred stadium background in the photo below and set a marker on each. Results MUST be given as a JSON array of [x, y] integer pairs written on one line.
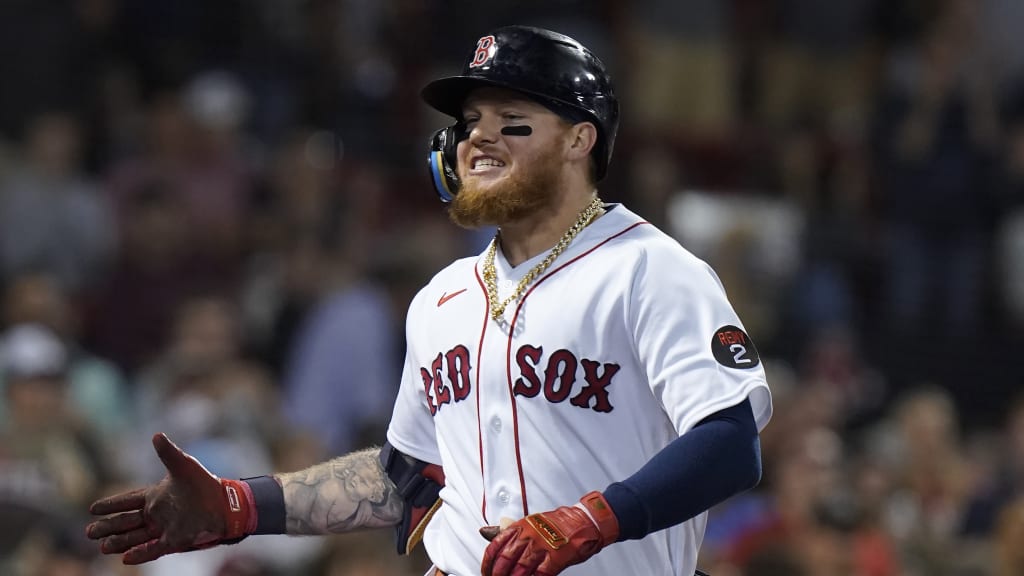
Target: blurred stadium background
[[214, 212]]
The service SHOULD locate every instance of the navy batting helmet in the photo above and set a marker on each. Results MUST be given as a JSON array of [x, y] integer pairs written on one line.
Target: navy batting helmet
[[552, 68]]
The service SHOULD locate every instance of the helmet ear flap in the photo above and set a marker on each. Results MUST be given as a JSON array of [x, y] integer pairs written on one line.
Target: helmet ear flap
[[442, 161]]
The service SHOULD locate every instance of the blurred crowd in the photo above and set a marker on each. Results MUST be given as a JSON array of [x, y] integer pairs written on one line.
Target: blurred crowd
[[213, 214]]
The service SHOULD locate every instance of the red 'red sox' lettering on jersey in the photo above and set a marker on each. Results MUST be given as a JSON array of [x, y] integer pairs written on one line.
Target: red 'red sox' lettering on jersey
[[447, 380], [560, 375], [455, 363]]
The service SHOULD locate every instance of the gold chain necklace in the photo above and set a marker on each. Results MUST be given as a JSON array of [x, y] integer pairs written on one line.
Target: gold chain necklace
[[491, 275]]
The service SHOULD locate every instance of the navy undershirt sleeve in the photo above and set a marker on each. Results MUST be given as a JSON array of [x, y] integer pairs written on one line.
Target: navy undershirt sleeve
[[718, 458]]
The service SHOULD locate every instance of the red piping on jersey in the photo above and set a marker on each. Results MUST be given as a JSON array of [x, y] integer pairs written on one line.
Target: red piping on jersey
[[515, 413], [508, 353], [479, 432]]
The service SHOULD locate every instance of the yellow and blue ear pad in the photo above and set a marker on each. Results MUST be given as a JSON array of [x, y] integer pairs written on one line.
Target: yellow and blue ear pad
[[441, 162], [441, 186]]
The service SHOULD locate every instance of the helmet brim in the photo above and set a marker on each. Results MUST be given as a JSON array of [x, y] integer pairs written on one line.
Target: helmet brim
[[447, 95]]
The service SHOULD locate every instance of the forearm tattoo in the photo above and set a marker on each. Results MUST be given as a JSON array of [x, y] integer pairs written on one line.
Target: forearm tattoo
[[348, 493]]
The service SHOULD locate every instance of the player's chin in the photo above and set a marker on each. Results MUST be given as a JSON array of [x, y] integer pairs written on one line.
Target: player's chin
[[479, 204]]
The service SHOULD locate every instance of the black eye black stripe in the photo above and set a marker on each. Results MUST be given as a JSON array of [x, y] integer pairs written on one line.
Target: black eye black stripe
[[517, 131]]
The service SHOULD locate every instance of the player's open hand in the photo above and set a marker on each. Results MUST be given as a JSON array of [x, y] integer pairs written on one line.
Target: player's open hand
[[189, 509], [546, 543]]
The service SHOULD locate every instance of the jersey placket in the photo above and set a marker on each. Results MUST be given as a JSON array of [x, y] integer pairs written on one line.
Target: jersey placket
[[500, 449]]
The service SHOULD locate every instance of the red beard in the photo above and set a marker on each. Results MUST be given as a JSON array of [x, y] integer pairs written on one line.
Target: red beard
[[519, 195]]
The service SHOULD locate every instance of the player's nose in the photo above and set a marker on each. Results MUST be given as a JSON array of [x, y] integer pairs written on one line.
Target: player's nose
[[484, 131]]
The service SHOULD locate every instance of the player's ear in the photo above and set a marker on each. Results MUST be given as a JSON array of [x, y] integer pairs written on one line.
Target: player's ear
[[582, 138]]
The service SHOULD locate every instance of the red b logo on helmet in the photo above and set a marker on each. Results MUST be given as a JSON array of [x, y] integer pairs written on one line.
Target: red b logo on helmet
[[484, 50]]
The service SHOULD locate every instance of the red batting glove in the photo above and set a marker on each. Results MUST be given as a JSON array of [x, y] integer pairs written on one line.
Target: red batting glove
[[189, 509], [546, 543]]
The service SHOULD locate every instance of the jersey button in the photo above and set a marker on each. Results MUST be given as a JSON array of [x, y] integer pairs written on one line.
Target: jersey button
[[496, 424], [504, 497]]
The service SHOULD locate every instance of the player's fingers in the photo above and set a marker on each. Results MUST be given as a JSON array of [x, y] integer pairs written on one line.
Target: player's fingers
[[117, 543], [178, 463], [146, 552], [503, 566], [547, 567], [487, 565], [529, 563], [510, 550], [115, 525], [123, 502], [492, 552]]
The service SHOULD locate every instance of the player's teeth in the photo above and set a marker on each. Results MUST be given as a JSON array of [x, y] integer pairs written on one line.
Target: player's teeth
[[488, 162]]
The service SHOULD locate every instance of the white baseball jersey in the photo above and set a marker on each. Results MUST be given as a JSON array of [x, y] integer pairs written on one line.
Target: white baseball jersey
[[622, 345]]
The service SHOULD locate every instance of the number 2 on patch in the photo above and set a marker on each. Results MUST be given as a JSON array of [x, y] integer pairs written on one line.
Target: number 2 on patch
[[733, 348], [739, 350]]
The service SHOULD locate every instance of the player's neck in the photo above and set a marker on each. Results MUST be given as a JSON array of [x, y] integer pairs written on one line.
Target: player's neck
[[524, 239]]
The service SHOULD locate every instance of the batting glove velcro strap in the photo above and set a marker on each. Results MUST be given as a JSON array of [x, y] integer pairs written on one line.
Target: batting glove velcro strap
[[239, 510], [601, 514], [546, 543]]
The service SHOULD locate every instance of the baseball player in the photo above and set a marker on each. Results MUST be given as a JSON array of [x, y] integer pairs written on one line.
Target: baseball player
[[580, 393]]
